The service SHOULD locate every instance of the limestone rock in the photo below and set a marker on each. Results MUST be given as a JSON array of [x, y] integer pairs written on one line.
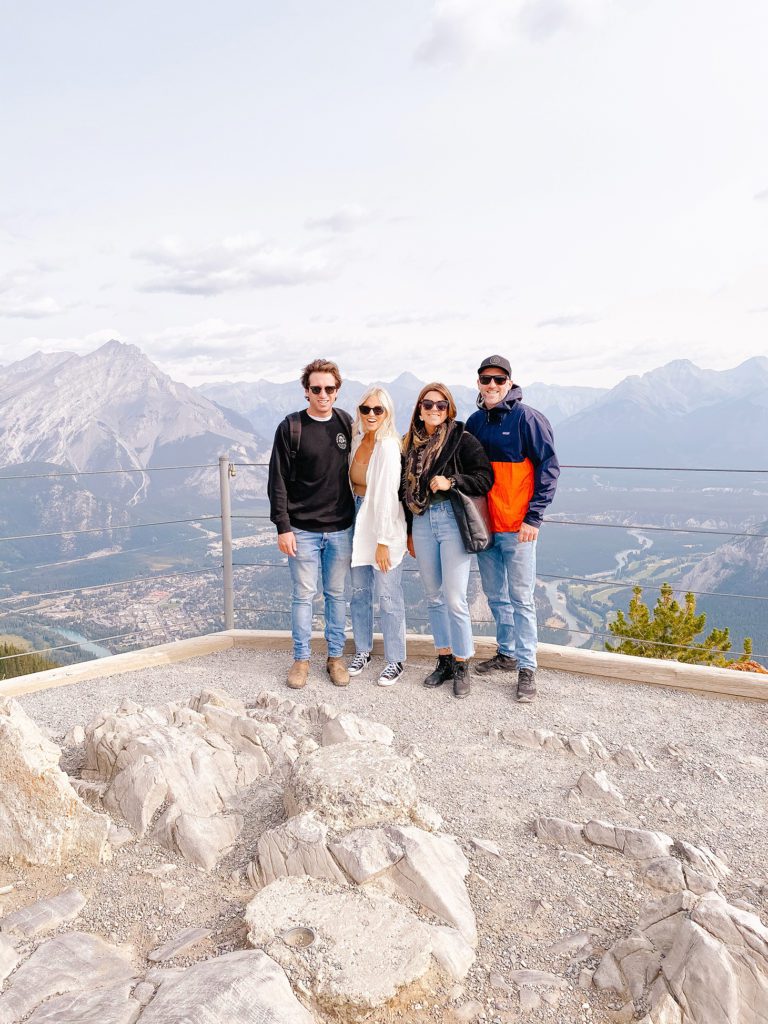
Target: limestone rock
[[298, 847], [694, 959], [179, 945], [368, 949], [628, 757], [244, 986], [217, 698], [103, 1005], [75, 963], [9, 958], [598, 787], [426, 817], [44, 915], [155, 757], [560, 832], [42, 819], [538, 979], [366, 853], [346, 728], [640, 844], [487, 846], [352, 784]]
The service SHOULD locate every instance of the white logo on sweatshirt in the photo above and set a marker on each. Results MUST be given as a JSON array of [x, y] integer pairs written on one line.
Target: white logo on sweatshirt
[[341, 441]]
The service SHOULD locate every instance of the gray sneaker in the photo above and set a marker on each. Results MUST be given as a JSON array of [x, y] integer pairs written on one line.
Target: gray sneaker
[[526, 685], [498, 663]]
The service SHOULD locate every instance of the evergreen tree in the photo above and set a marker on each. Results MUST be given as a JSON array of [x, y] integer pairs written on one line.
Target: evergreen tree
[[670, 632], [14, 662]]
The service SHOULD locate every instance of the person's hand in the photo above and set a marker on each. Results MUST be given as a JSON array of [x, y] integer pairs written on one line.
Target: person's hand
[[287, 543], [439, 483], [527, 533], [411, 549], [382, 557]]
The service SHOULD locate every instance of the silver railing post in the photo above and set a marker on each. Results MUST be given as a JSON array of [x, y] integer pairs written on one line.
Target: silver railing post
[[226, 541]]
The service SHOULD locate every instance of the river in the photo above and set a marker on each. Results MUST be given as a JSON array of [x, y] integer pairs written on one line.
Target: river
[[84, 642]]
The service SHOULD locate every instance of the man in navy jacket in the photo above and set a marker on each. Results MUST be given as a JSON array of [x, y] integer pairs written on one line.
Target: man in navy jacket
[[519, 443]]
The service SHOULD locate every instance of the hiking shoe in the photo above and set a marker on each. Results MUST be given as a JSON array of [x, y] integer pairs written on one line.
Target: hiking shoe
[[461, 682], [526, 685], [337, 670], [391, 673], [443, 671], [498, 663], [297, 675], [359, 662]]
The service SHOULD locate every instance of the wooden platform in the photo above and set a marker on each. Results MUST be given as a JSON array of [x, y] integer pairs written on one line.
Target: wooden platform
[[610, 667]]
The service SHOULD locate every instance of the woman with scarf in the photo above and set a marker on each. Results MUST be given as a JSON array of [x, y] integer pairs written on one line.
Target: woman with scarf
[[439, 455]]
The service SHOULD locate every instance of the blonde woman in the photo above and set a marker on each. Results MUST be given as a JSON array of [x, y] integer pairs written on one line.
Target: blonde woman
[[379, 540]]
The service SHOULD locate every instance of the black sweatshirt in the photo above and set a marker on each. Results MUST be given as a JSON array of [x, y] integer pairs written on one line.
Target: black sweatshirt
[[319, 499]]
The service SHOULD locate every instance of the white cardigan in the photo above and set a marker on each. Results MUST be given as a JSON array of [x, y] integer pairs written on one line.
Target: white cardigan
[[381, 519]]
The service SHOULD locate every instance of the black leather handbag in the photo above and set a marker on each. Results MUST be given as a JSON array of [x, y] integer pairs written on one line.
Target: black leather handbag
[[473, 520]]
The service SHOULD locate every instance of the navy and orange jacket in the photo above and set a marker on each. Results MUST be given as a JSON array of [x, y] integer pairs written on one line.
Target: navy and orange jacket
[[518, 441]]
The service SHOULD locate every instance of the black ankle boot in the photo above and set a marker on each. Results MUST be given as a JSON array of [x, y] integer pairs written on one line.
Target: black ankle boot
[[461, 683], [443, 671]]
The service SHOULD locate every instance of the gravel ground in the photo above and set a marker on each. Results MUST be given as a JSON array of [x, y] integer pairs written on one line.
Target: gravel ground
[[483, 786]]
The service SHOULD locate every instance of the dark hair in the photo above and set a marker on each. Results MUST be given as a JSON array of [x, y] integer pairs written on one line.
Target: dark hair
[[320, 366], [416, 418]]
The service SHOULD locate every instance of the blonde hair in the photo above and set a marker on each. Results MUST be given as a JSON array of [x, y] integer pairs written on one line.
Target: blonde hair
[[375, 395], [416, 418]]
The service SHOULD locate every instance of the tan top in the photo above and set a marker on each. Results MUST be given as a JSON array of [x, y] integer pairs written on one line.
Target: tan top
[[358, 472]]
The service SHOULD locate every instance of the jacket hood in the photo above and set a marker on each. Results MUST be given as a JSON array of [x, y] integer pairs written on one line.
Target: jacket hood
[[514, 395]]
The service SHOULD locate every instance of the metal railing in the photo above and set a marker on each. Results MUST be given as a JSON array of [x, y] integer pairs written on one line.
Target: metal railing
[[227, 566]]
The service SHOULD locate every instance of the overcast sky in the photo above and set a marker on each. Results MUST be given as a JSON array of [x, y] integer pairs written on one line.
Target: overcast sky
[[240, 186]]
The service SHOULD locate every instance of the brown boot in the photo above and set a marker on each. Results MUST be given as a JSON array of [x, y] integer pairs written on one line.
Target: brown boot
[[297, 676], [337, 670]]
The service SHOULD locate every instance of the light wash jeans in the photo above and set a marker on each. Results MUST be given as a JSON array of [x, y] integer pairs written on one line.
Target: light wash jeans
[[508, 573], [331, 553], [444, 568], [386, 588]]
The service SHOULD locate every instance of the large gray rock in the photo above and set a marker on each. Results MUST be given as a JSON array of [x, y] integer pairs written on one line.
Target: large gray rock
[[637, 843], [368, 948], [189, 762], [349, 785], [44, 915], [349, 728], [297, 847], [9, 958], [693, 960], [179, 944], [75, 963], [100, 1006], [247, 987], [42, 819]]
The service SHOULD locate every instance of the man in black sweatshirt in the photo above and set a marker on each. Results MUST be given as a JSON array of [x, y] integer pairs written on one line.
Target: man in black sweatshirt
[[311, 505]]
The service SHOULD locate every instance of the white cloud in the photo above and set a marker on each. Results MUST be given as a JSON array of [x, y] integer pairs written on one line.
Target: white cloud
[[462, 30], [411, 319], [762, 195], [19, 297], [235, 264], [212, 338], [340, 221], [569, 320]]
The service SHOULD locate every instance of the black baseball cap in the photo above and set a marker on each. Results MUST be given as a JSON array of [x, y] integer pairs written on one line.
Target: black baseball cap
[[500, 361]]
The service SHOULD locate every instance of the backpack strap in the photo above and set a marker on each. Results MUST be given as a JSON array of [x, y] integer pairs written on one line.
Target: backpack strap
[[346, 421], [294, 433]]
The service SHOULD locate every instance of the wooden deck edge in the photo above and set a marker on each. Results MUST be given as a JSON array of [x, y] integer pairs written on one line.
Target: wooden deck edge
[[610, 667], [131, 661]]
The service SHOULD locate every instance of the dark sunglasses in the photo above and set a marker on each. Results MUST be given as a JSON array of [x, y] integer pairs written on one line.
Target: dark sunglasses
[[331, 389], [486, 378], [427, 403], [377, 410]]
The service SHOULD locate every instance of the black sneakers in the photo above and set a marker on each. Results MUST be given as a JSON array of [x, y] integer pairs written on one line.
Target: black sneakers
[[498, 663], [443, 671], [526, 685], [461, 684]]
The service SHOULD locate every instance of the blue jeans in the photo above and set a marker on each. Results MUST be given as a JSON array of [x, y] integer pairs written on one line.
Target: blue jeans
[[331, 553], [508, 573], [444, 568], [386, 588]]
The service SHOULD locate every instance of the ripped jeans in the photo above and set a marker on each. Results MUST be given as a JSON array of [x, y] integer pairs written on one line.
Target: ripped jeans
[[386, 589]]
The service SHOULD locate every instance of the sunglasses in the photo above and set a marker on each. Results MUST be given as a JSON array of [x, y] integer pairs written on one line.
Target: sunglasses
[[377, 410], [427, 403], [486, 378], [331, 389]]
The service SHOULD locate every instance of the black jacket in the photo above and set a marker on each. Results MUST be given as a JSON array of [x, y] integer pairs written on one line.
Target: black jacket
[[463, 458]]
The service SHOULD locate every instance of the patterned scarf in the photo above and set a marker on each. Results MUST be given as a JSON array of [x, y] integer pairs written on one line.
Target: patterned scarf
[[420, 460]]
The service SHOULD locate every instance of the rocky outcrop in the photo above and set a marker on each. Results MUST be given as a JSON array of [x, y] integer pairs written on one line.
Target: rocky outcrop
[[368, 949], [693, 959], [242, 986], [298, 847], [42, 819], [44, 915], [584, 745], [349, 785]]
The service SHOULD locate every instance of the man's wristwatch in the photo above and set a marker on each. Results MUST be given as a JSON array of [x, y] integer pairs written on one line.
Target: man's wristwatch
[[452, 482]]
